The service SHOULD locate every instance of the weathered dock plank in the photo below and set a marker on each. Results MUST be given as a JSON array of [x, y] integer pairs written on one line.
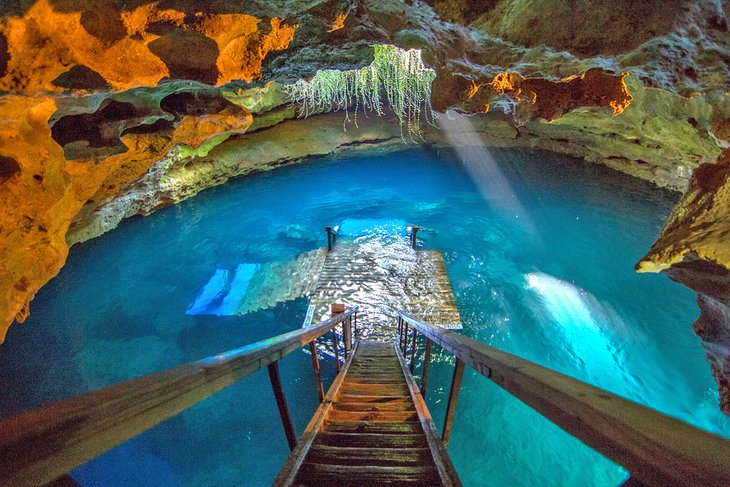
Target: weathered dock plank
[[381, 278]]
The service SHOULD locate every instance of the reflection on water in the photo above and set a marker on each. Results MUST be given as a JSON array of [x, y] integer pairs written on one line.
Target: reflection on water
[[586, 329]]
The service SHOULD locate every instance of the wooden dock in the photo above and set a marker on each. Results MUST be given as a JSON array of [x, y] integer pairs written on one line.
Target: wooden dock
[[381, 278]]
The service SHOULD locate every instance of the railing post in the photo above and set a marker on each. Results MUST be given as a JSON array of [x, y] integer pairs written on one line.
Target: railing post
[[405, 338], [414, 232], [291, 436], [453, 399], [315, 368], [347, 331], [329, 238], [400, 331], [413, 350], [334, 346], [426, 361]]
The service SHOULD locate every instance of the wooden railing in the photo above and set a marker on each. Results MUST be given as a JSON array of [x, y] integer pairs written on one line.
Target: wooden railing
[[655, 448], [41, 445]]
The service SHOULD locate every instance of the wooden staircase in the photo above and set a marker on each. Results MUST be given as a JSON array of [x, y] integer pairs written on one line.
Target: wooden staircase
[[372, 429]]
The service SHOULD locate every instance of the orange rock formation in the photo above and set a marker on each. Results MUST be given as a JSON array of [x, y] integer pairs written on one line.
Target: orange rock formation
[[39, 200], [541, 98], [51, 164], [135, 48]]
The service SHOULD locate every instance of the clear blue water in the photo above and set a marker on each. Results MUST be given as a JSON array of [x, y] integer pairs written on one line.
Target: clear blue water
[[540, 251]]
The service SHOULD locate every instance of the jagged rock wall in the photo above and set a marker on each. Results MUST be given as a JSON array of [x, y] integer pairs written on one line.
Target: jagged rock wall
[[117, 140], [113, 108], [694, 250]]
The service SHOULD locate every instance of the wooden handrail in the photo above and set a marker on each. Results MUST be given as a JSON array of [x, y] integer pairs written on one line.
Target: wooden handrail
[[656, 449], [40, 445]]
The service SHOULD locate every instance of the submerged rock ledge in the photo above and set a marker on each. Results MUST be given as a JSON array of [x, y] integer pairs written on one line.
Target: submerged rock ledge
[[111, 110]]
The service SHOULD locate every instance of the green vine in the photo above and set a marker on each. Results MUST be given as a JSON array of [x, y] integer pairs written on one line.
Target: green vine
[[397, 75]]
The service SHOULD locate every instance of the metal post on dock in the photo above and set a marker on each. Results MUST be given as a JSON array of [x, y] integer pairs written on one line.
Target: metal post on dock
[[329, 238], [414, 233]]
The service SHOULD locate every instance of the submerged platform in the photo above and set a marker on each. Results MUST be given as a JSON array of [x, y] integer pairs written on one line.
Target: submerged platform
[[382, 277]]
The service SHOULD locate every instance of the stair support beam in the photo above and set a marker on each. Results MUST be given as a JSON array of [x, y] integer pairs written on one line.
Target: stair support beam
[[426, 364], [453, 400], [291, 436], [413, 350], [317, 372], [334, 347]]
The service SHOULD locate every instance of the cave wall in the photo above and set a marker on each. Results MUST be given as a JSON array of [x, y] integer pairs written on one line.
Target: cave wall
[[115, 108]]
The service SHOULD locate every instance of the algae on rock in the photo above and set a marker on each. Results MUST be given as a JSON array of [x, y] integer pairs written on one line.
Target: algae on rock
[[397, 74]]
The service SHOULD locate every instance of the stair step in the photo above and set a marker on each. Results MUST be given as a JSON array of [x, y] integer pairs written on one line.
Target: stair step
[[322, 475], [406, 427], [388, 417], [360, 369], [387, 374], [374, 380], [372, 440], [370, 406], [374, 390], [343, 398], [335, 455]]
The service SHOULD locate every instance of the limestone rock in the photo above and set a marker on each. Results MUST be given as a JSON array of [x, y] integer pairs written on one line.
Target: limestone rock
[[117, 150], [184, 174], [694, 250], [132, 46]]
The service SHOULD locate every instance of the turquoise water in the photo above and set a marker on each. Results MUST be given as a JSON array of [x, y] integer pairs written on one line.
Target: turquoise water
[[539, 249]]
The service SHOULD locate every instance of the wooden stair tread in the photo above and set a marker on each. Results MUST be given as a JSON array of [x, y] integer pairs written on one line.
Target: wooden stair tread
[[345, 398], [374, 406], [337, 455], [371, 440], [386, 417], [405, 427], [323, 474]]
